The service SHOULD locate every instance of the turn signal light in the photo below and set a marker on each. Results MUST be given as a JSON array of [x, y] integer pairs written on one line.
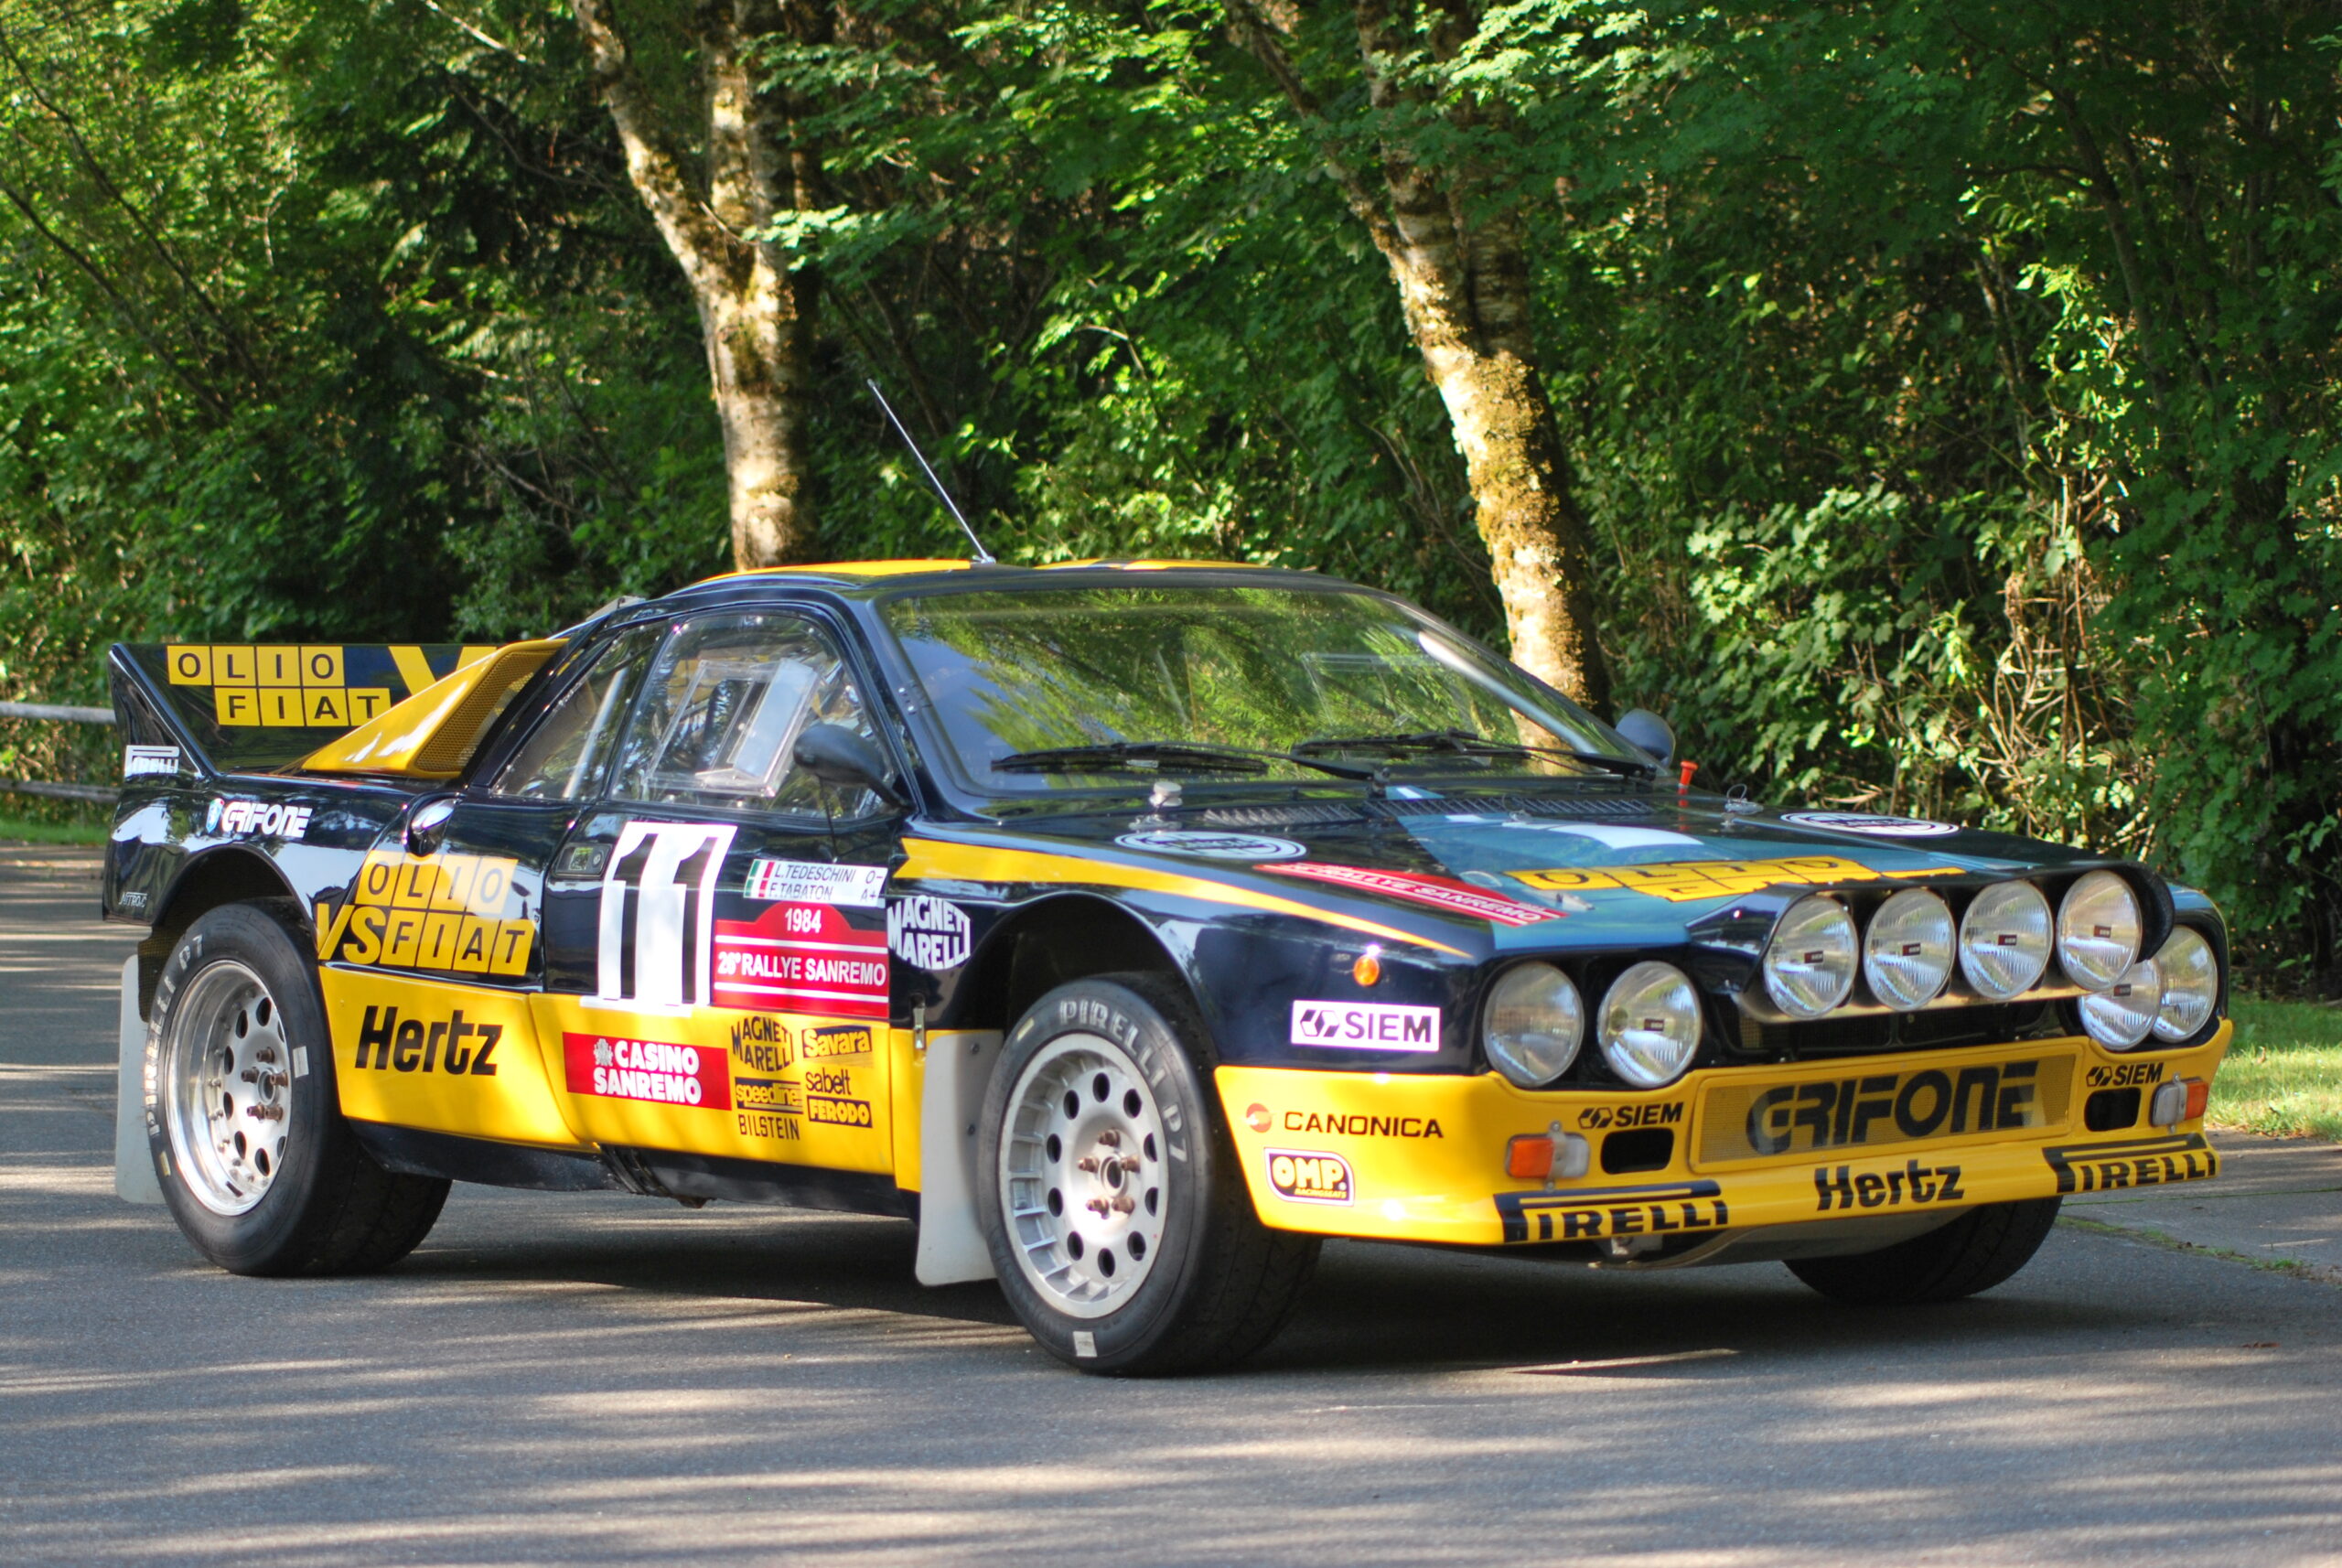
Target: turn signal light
[[2181, 1099], [2199, 1095], [1368, 967], [1541, 1156]]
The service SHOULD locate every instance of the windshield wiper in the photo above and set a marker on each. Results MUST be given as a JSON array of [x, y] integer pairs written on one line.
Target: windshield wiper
[[1463, 743], [1161, 756]]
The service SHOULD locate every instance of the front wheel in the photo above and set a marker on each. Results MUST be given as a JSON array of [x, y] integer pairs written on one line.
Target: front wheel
[[1117, 1220], [1971, 1254]]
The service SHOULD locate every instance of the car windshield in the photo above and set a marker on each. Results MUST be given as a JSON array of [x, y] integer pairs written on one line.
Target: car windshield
[[1033, 687]]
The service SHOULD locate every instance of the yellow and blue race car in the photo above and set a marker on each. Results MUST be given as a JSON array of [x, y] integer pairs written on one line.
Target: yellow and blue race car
[[1129, 927]]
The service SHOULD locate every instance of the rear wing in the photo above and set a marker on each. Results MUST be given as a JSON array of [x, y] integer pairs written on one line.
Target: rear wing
[[261, 707]]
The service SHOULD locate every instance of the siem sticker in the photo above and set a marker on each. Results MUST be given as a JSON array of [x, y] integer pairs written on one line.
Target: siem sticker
[[1366, 1025]]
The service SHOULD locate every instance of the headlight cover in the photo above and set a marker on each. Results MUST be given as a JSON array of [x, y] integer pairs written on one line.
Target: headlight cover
[[1532, 1025], [2124, 1013], [2098, 931], [1809, 963], [1650, 1025], [1906, 952], [2004, 940], [2191, 985]]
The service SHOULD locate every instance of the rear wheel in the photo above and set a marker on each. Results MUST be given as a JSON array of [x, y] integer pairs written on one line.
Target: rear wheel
[[1117, 1220], [258, 1167], [1974, 1252]]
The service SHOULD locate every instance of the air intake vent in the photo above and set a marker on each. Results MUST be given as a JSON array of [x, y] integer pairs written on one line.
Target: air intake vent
[[1328, 815]]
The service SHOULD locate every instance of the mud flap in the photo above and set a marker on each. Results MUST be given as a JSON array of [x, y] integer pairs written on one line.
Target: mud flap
[[951, 1248], [133, 1163]]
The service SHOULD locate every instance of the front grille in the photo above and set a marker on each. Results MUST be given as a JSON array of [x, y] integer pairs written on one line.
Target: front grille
[[1944, 1028]]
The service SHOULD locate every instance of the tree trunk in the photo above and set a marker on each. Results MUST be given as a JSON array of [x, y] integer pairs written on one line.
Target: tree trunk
[[756, 314]]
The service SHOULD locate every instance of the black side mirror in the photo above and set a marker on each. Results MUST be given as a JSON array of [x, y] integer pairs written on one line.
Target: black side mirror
[[1648, 731], [836, 755]]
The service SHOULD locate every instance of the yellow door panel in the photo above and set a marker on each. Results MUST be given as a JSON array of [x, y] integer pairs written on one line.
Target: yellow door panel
[[446, 1057]]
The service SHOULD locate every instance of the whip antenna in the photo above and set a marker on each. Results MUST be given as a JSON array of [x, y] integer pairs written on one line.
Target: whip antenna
[[983, 557]]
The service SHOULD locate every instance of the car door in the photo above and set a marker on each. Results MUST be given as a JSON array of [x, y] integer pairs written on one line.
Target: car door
[[718, 976]]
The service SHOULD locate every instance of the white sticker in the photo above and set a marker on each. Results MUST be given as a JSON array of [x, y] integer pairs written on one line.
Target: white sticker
[[663, 875], [139, 761], [928, 933], [255, 819], [1365, 1026], [1212, 847], [813, 882], [1085, 1344], [300, 1061], [1876, 826]]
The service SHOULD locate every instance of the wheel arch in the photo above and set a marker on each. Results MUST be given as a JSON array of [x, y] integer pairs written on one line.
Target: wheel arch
[[228, 875]]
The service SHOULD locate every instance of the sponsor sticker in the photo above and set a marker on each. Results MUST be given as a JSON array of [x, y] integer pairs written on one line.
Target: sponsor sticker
[[763, 1044], [1257, 1117], [1687, 881], [2127, 1075], [928, 933], [800, 958], [2134, 1163], [1843, 1188], [140, 761], [1212, 847], [813, 882], [1868, 822], [457, 914], [1305, 1176], [1593, 1214], [835, 1040], [1435, 892], [1358, 1125], [454, 1045], [1595, 1117], [255, 819], [1741, 1121], [658, 1071], [1366, 1025]]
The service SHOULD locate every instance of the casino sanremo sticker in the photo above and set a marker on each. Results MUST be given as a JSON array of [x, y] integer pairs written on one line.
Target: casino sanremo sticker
[[1865, 822]]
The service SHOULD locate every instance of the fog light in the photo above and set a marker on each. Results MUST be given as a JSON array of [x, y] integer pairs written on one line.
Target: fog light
[[2124, 1013]]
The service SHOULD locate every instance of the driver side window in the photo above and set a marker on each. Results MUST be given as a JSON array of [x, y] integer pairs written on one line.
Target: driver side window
[[566, 754]]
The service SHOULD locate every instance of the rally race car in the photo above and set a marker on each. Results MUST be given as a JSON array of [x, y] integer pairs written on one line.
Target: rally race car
[[1130, 927]]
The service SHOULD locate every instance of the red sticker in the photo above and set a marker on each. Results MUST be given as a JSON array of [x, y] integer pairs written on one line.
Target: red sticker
[[800, 958], [1439, 892], [618, 1068]]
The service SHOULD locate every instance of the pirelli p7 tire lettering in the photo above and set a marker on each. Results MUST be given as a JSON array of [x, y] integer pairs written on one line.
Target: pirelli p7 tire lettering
[[1971, 1254], [243, 1121], [1118, 1223]]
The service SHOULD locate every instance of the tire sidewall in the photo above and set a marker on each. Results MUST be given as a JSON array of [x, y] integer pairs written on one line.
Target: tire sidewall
[[268, 1237], [1140, 1027]]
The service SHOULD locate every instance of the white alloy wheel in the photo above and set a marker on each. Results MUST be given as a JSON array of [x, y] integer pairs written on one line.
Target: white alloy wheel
[[1081, 1178], [225, 1084]]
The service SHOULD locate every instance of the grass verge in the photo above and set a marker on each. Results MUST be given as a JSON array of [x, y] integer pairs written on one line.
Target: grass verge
[[24, 829], [2284, 1073]]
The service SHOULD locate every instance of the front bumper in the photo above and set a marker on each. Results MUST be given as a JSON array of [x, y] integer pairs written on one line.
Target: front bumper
[[1422, 1159]]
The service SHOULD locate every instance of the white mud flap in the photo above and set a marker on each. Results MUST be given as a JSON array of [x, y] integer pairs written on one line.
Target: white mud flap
[[133, 1162], [951, 1248]]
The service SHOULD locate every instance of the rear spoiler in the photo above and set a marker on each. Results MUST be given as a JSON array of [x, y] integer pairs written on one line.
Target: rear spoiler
[[374, 708]]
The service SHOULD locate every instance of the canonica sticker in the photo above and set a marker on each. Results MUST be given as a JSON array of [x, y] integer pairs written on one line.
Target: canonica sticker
[[1212, 847], [1865, 822], [1366, 1025]]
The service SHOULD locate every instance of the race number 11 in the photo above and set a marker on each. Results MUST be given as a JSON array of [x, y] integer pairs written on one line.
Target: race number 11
[[658, 914]]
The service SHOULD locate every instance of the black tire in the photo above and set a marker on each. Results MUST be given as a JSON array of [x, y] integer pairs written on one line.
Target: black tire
[[324, 1208], [1218, 1284], [1973, 1253]]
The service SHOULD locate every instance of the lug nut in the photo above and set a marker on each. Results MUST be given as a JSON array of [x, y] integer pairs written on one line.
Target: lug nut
[[1097, 1205], [1087, 1163], [1125, 1203], [1111, 1138], [1130, 1164]]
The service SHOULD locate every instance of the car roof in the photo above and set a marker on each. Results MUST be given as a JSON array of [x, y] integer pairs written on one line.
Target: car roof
[[865, 580]]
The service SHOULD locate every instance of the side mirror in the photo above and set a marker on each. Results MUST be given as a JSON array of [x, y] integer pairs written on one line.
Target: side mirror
[[428, 826], [1648, 731], [836, 755]]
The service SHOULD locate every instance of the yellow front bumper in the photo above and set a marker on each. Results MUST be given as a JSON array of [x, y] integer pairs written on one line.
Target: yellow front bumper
[[1423, 1158]]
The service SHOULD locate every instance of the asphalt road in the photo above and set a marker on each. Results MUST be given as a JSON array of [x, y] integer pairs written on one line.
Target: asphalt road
[[601, 1380]]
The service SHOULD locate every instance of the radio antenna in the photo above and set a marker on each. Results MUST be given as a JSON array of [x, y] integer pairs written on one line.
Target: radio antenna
[[983, 557]]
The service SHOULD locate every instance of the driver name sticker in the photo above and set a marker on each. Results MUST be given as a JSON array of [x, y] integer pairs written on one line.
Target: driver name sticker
[[1212, 847], [1437, 892], [1871, 823], [814, 882], [1365, 1026], [928, 933]]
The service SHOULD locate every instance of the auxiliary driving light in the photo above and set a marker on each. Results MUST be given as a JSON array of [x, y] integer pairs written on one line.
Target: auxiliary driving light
[[2004, 940], [2098, 931], [2124, 1013], [1906, 952], [1809, 963], [2191, 985], [1533, 1025], [1651, 1024]]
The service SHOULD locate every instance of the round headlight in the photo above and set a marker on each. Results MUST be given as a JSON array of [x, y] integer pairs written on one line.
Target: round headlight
[[2124, 1013], [2191, 985], [1532, 1025], [1906, 952], [2004, 940], [1809, 963], [2098, 931], [1651, 1024]]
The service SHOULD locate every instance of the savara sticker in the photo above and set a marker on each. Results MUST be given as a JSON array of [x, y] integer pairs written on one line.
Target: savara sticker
[[1687, 881], [255, 819], [1866, 823], [656, 945], [615, 1068], [1308, 1178], [1366, 1025], [1437, 892], [141, 761], [811, 882], [834, 1040], [800, 958], [457, 914], [453, 1044], [1212, 847], [928, 933]]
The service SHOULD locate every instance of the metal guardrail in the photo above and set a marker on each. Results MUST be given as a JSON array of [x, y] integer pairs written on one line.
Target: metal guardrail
[[56, 710], [65, 713]]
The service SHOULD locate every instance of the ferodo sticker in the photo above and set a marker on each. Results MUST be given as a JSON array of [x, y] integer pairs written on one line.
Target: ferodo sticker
[[1684, 881], [1868, 822], [1434, 892], [1365, 1026], [617, 1068], [1304, 1176], [1756, 1120]]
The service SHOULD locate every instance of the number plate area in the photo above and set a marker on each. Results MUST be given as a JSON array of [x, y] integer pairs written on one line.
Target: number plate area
[[1872, 1106]]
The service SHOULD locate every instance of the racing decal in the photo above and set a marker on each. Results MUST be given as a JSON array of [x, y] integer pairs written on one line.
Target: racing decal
[[763, 1044], [1365, 1026], [1307, 1177], [802, 958], [141, 761], [617, 1068], [2144, 1162], [255, 819], [1845, 1188], [658, 930], [766, 1103], [928, 933], [834, 1040], [1437, 892], [450, 913], [832, 1100], [1595, 1117], [1683, 881], [307, 686], [814, 882], [1753, 1120], [1868, 822], [1359, 1124], [1212, 847], [1593, 1214], [452, 1045], [2127, 1075], [1259, 1118]]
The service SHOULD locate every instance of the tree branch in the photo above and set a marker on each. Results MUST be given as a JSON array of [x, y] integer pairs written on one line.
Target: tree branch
[[696, 237]]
